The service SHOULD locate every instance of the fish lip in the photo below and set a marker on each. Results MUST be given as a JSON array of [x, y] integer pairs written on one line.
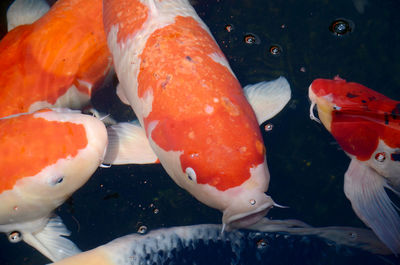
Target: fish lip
[[235, 218]]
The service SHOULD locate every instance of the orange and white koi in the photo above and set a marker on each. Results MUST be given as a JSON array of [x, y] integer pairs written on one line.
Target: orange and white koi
[[52, 59], [366, 124], [45, 157], [196, 118]]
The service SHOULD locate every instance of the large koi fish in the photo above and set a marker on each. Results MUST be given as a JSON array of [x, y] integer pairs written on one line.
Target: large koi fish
[[194, 117]]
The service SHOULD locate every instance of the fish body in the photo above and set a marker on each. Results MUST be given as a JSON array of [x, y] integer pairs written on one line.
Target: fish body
[[57, 60], [196, 117], [46, 156], [366, 124], [204, 244]]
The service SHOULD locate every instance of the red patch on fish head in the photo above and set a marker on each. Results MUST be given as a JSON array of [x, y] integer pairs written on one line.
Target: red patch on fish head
[[360, 116], [29, 144]]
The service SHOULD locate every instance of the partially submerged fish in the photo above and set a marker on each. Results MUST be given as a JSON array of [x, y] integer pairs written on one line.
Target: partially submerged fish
[[204, 244], [366, 124], [194, 116], [53, 59], [45, 157]]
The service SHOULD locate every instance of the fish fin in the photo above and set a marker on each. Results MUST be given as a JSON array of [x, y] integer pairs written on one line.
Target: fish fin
[[121, 94], [153, 8], [268, 98], [364, 187], [23, 12], [128, 144], [50, 241], [107, 119]]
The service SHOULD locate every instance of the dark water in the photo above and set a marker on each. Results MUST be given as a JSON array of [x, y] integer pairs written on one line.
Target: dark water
[[305, 163]]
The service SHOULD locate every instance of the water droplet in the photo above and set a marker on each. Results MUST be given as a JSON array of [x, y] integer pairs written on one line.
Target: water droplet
[[341, 26], [229, 27], [142, 230], [14, 237], [251, 39], [261, 244], [353, 235], [275, 50], [156, 211], [268, 127], [380, 157], [252, 201]]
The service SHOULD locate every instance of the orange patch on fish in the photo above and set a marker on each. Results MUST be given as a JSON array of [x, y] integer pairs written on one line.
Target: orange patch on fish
[[22, 154], [172, 54], [41, 61], [132, 12]]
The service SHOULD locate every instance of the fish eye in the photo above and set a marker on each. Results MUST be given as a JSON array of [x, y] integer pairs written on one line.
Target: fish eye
[[14, 237], [56, 180], [252, 201], [191, 174]]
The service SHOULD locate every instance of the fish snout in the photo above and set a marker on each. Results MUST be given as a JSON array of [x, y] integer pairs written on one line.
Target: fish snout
[[244, 211]]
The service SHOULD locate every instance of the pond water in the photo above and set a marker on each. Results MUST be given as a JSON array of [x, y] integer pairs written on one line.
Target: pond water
[[306, 164]]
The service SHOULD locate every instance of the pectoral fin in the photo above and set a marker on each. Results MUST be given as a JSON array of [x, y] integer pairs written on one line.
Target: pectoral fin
[[50, 241], [23, 12], [128, 144], [364, 187], [268, 98], [121, 94]]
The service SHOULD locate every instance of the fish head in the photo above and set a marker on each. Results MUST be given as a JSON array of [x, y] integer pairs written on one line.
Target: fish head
[[224, 168], [47, 156], [242, 204], [322, 94]]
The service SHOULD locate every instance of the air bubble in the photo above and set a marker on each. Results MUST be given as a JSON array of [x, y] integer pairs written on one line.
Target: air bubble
[[15, 237], [142, 230], [380, 157], [341, 26], [251, 39]]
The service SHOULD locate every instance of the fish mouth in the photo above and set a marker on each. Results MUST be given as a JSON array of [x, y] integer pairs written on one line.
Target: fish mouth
[[243, 220]]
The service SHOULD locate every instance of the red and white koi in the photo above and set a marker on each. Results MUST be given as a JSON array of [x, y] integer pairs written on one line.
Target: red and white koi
[[366, 124], [45, 157], [196, 118], [54, 58]]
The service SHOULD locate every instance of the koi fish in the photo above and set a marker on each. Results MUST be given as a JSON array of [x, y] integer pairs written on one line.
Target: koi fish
[[204, 244], [45, 157], [366, 124], [52, 59], [193, 116]]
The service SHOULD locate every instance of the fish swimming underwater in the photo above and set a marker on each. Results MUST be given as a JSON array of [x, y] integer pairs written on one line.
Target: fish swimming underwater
[[196, 118], [45, 157], [366, 124], [56, 61], [204, 244]]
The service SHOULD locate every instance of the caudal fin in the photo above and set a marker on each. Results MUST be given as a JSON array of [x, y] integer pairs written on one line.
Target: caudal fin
[[22, 12], [364, 187], [51, 241]]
